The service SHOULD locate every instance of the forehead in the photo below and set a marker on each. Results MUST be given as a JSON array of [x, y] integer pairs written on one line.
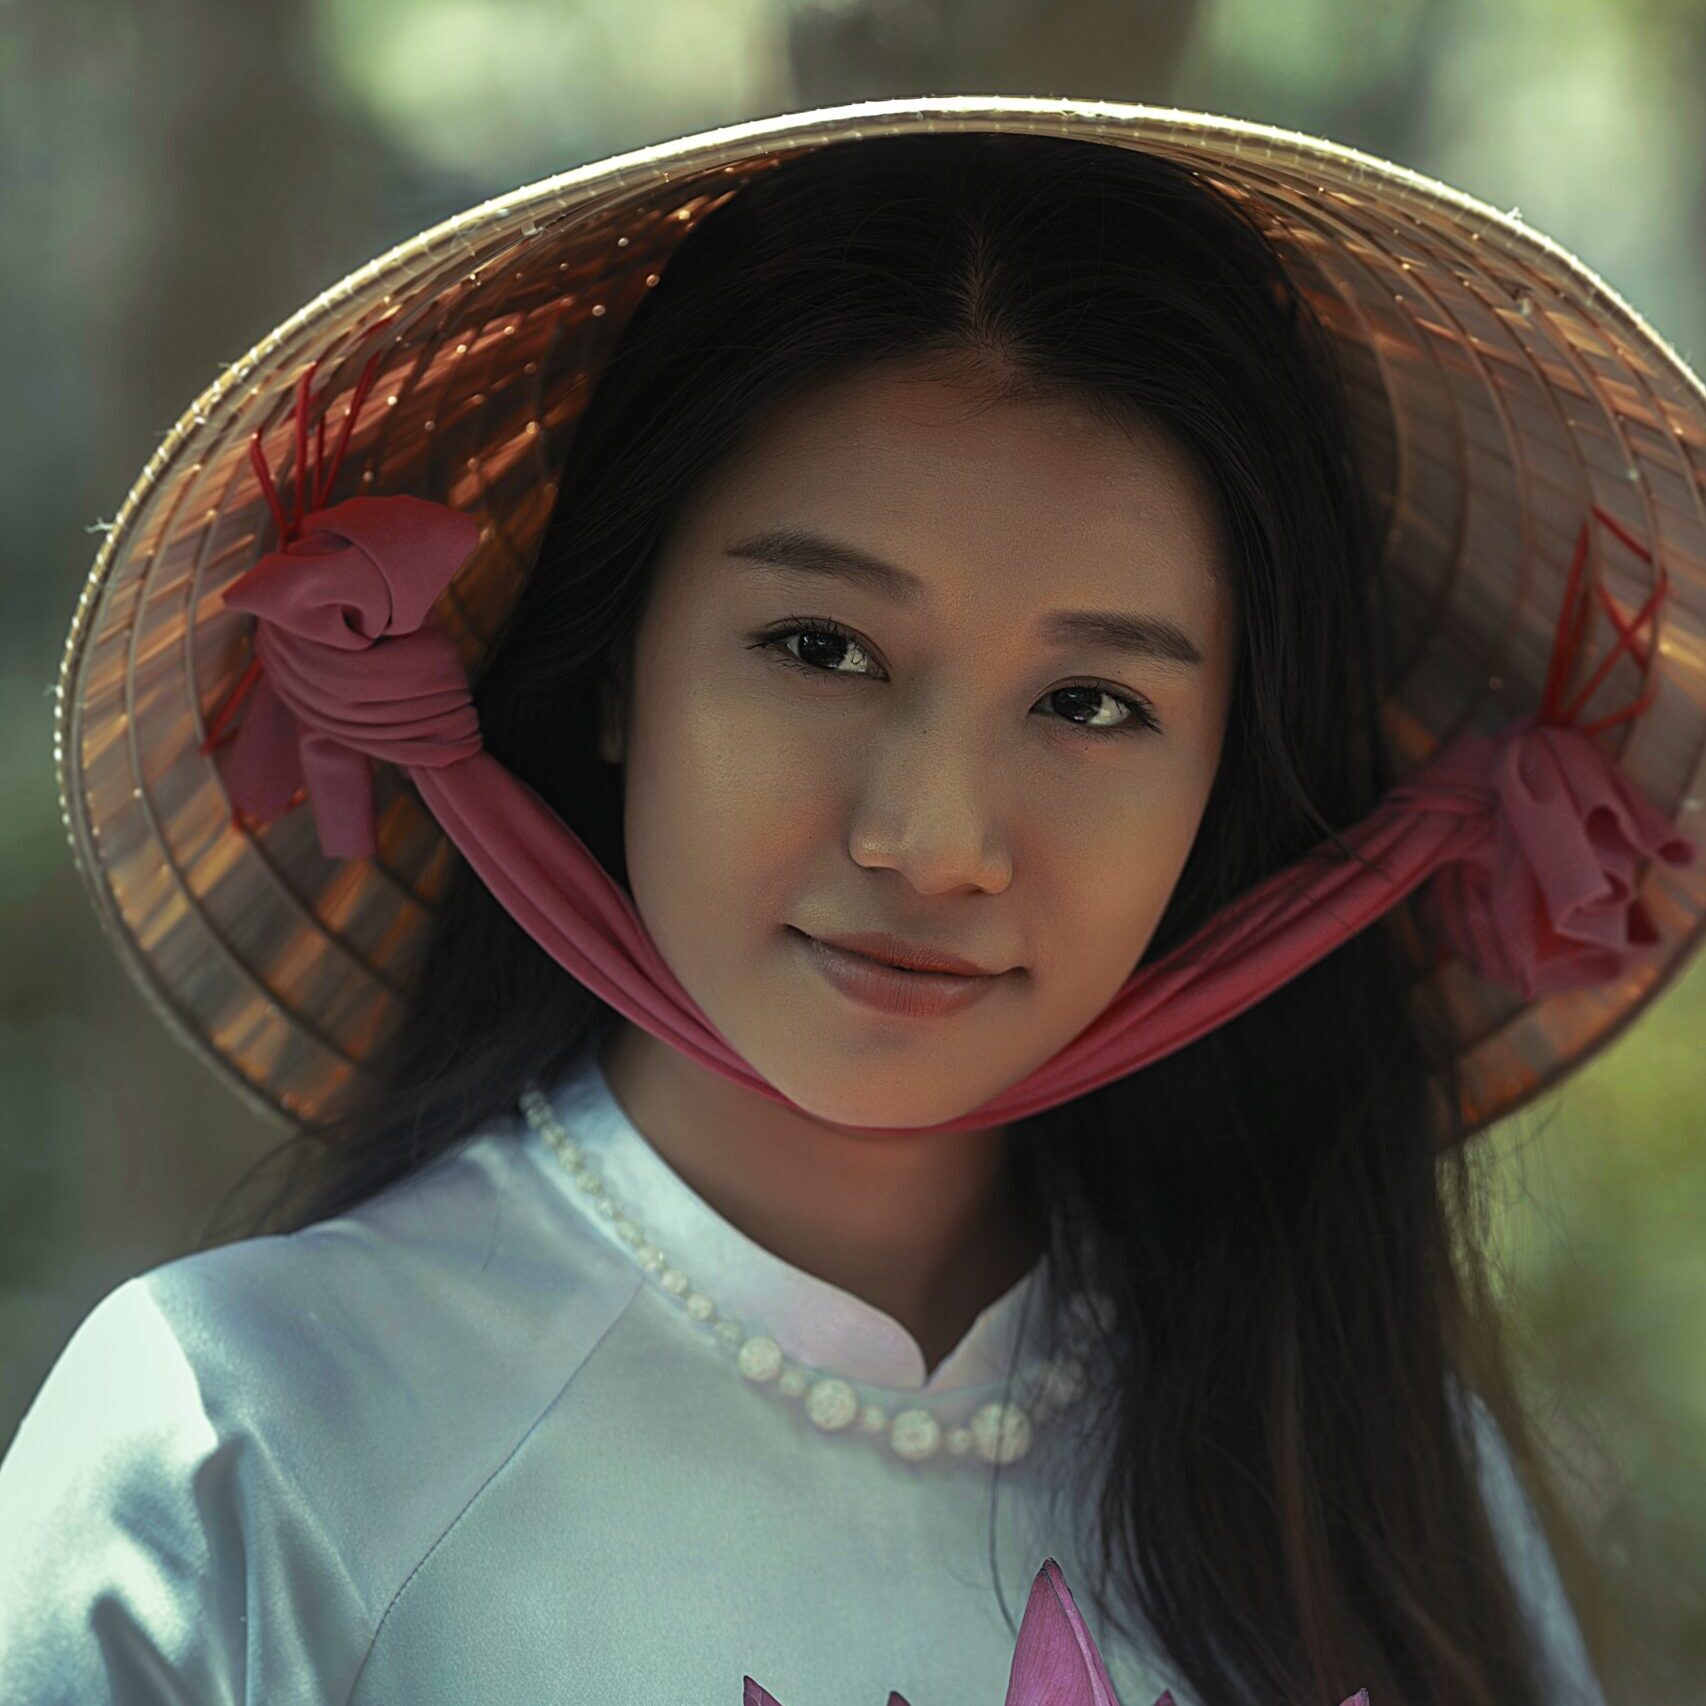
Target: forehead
[[926, 471]]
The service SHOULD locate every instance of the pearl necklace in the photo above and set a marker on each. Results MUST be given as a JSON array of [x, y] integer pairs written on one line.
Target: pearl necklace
[[999, 1432]]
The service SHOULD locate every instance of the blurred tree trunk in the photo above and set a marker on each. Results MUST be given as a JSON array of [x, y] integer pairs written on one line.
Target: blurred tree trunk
[[1095, 49]]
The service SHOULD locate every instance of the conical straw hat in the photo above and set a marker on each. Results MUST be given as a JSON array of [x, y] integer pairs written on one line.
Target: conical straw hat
[[1503, 395]]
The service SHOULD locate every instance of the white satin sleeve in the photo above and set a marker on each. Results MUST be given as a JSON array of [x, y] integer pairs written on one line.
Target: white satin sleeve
[[147, 1543], [1566, 1668]]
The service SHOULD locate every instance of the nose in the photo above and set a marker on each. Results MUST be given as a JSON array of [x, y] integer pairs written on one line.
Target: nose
[[927, 808]]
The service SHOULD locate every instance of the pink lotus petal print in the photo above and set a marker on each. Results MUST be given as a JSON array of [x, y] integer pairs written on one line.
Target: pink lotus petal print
[[1055, 1661]]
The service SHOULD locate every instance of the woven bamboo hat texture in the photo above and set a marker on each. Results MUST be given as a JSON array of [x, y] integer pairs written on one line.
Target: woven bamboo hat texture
[[1510, 409]]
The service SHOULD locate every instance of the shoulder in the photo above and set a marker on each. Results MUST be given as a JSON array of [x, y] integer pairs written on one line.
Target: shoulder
[[380, 1315], [1527, 1557], [131, 1524], [219, 1431]]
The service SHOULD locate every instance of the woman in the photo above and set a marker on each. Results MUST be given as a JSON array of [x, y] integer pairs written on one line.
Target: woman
[[462, 1415]]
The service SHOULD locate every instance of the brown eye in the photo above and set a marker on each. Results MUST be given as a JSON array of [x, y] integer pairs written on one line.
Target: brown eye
[[1137, 711], [831, 638]]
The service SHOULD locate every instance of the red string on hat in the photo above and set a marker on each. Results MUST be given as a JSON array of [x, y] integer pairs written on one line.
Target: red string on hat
[[1573, 619], [320, 484], [1531, 838]]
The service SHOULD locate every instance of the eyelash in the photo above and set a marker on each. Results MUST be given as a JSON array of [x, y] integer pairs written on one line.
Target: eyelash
[[1142, 719]]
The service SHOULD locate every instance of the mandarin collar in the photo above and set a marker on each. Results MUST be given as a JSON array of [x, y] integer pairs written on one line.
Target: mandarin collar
[[815, 1322]]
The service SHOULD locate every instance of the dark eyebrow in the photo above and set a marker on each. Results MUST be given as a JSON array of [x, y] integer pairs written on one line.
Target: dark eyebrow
[[795, 551]]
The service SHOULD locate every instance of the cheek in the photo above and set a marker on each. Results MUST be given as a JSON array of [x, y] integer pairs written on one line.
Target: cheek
[[717, 793], [1114, 883]]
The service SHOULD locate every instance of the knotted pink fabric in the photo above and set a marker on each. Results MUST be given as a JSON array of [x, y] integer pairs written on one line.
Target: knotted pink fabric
[[1546, 898], [1532, 837]]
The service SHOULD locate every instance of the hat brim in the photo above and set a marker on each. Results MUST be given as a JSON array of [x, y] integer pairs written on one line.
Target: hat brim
[[1500, 391]]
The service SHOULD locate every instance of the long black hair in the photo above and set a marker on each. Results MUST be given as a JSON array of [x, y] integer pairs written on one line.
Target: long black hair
[[1291, 1234]]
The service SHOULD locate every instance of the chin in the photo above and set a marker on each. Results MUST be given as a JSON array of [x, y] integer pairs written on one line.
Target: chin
[[849, 1102]]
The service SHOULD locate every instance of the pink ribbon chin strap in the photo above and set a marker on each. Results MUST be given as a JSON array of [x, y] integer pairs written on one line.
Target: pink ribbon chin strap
[[1532, 837]]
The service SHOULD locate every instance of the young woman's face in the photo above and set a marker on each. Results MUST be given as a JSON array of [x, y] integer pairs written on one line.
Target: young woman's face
[[950, 771]]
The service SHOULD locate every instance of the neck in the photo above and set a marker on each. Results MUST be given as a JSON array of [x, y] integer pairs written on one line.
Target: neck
[[929, 1228]]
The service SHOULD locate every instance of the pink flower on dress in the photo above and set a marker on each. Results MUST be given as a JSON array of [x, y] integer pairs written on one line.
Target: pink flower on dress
[[1055, 1661]]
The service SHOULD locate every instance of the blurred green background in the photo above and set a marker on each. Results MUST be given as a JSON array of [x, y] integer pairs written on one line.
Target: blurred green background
[[176, 179]]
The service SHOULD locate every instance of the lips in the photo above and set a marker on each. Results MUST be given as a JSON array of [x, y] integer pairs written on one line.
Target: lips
[[894, 990], [907, 956]]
